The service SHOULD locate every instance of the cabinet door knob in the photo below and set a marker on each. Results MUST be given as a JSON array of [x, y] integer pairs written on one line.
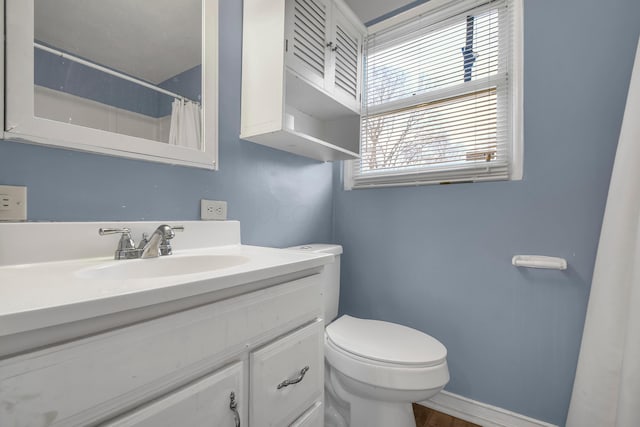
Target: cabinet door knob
[[295, 380], [233, 405]]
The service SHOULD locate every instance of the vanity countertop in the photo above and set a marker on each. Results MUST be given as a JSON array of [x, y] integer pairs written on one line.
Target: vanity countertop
[[41, 294]]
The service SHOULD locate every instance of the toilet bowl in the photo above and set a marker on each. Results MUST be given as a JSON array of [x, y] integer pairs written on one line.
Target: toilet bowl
[[374, 369], [377, 369]]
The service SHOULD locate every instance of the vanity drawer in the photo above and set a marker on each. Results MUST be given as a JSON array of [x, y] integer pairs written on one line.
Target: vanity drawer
[[296, 360], [90, 380]]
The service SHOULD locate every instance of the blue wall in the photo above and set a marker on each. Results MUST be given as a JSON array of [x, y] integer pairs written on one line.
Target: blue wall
[[437, 258], [280, 199]]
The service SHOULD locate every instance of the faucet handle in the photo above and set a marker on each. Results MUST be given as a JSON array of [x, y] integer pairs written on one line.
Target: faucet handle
[[106, 231], [126, 246], [126, 242]]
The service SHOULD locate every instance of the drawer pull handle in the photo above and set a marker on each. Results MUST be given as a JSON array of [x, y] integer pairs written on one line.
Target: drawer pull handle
[[233, 405], [296, 380]]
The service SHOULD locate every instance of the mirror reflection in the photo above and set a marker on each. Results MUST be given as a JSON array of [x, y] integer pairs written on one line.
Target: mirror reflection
[[129, 67]]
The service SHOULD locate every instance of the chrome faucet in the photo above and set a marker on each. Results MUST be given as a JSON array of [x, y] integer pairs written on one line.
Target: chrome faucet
[[153, 247], [158, 243], [126, 247]]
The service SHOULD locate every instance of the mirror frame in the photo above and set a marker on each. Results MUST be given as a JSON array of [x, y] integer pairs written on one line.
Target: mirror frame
[[22, 125]]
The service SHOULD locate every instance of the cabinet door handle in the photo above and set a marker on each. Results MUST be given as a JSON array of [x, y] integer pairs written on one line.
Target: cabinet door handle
[[233, 405], [331, 46], [295, 380]]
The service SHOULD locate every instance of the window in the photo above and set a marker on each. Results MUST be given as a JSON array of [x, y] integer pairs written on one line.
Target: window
[[441, 97]]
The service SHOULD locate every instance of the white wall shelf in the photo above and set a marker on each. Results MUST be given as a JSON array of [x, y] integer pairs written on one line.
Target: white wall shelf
[[291, 102]]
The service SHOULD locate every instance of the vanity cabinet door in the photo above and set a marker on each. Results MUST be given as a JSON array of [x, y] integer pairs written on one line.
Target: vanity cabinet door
[[313, 417], [218, 400], [286, 377]]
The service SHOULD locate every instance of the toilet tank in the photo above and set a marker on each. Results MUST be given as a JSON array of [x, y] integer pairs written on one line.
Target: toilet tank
[[330, 277]]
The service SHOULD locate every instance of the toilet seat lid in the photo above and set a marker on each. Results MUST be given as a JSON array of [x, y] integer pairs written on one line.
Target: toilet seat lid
[[386, 342]]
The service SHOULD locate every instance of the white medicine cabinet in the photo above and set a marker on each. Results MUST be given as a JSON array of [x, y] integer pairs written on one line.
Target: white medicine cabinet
[[128, 79], [301, 77]]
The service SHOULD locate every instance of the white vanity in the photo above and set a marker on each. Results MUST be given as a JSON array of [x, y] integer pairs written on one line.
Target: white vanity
[[233, 337]]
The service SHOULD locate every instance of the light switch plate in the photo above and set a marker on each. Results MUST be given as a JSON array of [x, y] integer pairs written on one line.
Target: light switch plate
[[13, 203]]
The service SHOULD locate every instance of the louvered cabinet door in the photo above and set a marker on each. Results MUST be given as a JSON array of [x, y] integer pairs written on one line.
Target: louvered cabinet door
[[306, 44], [347, 60]]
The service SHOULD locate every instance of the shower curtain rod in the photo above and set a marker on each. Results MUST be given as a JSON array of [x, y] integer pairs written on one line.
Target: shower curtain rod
[[110, 71]]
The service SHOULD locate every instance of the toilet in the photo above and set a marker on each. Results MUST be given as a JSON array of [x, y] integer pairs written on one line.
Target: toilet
[[374, 370]]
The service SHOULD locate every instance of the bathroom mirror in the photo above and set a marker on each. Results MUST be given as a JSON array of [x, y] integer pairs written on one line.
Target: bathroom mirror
[[135, 79]]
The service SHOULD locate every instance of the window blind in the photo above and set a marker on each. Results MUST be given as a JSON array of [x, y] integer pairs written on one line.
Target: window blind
[[437, 102]]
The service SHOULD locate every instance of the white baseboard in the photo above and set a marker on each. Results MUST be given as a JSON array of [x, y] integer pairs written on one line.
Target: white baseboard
[[478, 412]]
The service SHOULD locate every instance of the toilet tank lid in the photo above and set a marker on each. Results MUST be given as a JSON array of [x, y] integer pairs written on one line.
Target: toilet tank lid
[[325, 248]]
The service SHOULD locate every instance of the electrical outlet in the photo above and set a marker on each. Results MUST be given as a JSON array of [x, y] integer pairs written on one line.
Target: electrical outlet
[[212, 209], [13, 203]]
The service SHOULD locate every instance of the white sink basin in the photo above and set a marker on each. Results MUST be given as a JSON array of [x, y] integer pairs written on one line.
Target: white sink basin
[[161, 267]]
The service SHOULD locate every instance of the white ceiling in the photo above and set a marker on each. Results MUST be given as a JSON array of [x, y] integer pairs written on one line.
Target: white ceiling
[[368, 10], [150, 39]]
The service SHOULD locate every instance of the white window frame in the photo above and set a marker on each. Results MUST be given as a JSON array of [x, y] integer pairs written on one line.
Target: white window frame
[[446, 8]]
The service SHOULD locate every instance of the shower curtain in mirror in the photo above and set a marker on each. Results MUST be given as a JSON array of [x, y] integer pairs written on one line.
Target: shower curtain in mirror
[[606, 391], [185, 124]]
